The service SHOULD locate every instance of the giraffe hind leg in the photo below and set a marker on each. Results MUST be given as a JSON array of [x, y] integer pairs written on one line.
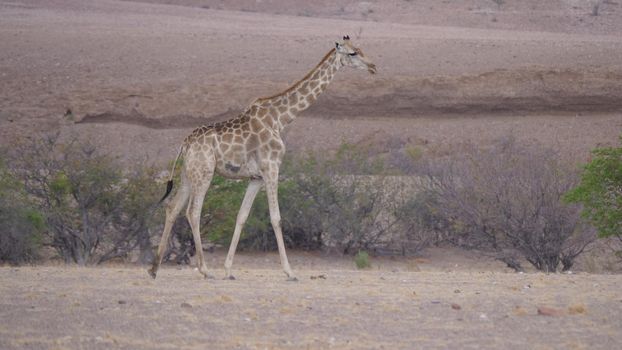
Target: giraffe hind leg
[[172, 211]]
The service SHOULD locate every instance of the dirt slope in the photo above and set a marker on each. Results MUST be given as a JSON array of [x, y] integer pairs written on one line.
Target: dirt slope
[[137, 77]]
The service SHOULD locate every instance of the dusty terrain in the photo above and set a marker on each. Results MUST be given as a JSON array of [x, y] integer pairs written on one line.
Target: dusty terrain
[[398, 304], [136, 77]]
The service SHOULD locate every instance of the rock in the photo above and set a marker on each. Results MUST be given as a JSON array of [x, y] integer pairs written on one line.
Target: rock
[[186, 306], [549, 311], [121, 302], [519, 311], [577, 309], [455, 306]]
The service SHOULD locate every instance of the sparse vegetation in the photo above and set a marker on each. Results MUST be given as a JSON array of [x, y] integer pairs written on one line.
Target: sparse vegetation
[[504, 200]]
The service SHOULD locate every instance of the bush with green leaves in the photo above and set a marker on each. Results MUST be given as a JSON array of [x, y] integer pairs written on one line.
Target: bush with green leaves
[[93, 212], [600, 191], [220, 211], [21, 225]]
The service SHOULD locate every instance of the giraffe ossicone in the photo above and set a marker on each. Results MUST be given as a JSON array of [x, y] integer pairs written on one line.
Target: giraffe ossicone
[[249, 147]]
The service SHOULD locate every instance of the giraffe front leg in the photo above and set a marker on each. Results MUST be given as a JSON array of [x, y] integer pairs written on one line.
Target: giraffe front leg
[[193, 213], [245, 208], [275, 218]]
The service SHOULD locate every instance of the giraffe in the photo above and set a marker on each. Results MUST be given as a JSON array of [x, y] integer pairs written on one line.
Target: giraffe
[[248, 147]]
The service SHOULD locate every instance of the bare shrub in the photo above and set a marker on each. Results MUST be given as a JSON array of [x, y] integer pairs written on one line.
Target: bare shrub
[[499, 3], [134, 222], [421, 223], [344, 201], [596, 7], [506, 200]]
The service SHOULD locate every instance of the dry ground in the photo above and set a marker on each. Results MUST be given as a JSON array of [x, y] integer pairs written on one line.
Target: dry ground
[[398, 304]]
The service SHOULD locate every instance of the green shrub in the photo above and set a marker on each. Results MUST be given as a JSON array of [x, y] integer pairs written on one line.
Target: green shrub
[[361, 259], [600, 191], [93, 209], [21, 225], [220, 210]]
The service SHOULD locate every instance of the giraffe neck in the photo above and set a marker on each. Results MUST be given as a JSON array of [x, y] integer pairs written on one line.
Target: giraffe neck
[[301, 95]]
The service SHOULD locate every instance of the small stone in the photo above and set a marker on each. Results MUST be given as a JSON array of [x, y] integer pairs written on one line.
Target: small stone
[[577, 309], [121, 302], [483, 316], [455, 306], [549, 311], [186, 305], [457, 291], [520, 311]]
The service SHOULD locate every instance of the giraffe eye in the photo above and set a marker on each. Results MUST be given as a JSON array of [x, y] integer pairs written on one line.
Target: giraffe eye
[[352, 54]]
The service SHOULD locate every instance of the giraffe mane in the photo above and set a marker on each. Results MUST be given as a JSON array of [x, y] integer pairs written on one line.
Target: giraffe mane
[[295, 85]]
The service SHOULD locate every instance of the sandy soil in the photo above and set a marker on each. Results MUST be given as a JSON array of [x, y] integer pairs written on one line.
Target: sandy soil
[[398, 304], [138, 76]]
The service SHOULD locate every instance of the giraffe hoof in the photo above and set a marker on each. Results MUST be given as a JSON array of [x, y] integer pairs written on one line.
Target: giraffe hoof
[[230, 278], [152, 273], [210, 277], [292, 279]]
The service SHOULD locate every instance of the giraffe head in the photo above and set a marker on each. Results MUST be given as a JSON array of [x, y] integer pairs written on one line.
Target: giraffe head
[[352, 56]]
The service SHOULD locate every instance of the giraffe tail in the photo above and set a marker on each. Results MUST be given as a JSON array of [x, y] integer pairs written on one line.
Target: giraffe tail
[[169, 183]]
